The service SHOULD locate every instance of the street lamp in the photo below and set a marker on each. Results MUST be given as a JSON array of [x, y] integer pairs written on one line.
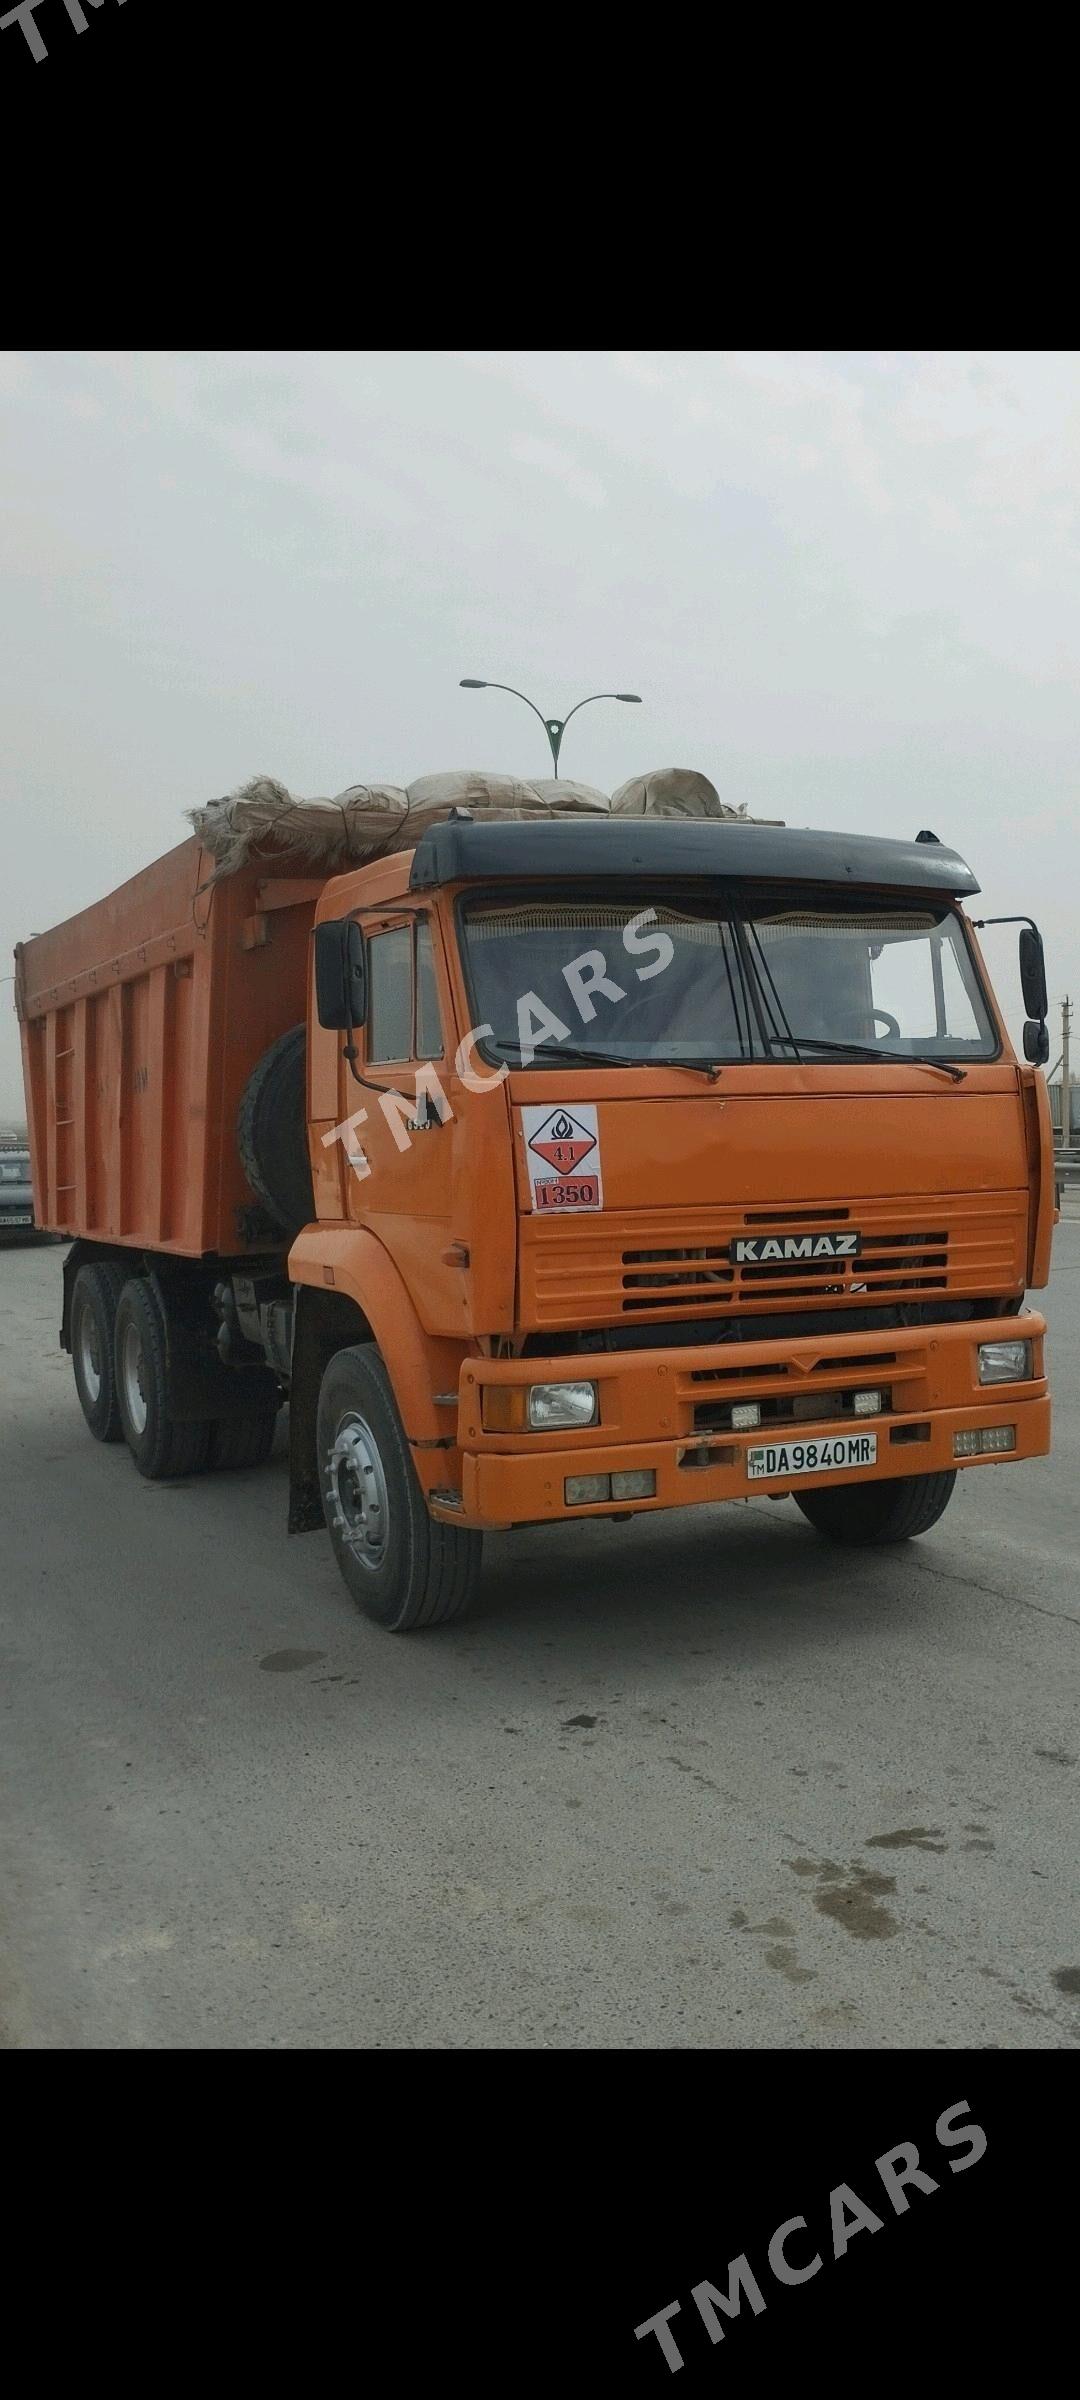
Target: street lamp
[[554, 727]]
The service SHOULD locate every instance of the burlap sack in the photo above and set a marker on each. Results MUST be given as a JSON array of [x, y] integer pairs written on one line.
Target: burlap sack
[[370, 819], [262, 815], [567, 799]]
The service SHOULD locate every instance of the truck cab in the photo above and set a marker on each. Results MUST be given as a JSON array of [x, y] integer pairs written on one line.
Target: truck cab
[[656, 1163]]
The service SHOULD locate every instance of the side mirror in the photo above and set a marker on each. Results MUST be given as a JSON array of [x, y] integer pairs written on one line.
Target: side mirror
[[1036, 1042], [1033, 973], [340, 974]]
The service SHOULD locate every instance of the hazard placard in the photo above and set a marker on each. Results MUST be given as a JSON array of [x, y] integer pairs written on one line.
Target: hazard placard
[[562, 1154]]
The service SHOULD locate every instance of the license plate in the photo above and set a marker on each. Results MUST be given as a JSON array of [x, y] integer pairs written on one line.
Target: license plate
[[843, 1450], [25, 1218]]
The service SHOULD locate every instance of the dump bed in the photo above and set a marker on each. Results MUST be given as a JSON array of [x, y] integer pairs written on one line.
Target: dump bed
[[142, 1018]]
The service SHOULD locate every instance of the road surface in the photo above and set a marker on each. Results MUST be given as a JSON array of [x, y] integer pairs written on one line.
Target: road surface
[[695, 1780]]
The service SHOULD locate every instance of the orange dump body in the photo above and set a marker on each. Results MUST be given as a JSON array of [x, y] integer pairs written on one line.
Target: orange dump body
[[142, 1018]]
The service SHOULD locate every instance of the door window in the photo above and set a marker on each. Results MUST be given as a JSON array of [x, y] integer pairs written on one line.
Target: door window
[[389, 1027], [402, 995], [429, 1041]]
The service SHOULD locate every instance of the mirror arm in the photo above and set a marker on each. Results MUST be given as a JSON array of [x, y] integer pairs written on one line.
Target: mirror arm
[[350, 1051], [979, 922]]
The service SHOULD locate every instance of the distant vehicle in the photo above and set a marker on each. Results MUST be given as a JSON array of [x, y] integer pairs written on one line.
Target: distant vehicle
[[16, 1189]]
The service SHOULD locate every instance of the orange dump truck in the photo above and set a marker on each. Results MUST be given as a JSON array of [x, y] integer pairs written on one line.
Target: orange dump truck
[[579, 1168]]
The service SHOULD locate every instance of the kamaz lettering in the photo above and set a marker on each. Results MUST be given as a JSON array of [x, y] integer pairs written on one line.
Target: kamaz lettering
[[763, 1249]]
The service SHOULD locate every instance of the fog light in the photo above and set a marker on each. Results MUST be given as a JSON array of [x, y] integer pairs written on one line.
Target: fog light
[[745, 1414], [552, 1405], [634, 1483], [580, 1490], [867, 1404], [1004, 1362], [982, 1438]]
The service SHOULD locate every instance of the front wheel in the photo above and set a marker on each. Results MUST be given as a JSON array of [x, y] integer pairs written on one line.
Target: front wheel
[[870, 1513], [404, 1568]]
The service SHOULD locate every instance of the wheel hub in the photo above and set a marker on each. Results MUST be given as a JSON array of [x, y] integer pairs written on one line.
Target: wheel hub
[[90, 1354], [356, 1492], [132, 1375]]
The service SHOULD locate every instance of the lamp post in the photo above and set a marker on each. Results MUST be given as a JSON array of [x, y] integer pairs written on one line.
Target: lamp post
[[554, 727]]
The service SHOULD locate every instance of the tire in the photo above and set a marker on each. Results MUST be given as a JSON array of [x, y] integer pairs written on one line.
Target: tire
[[271, 1132], [873, 1513], [403, 1568], [159, 1447], [93, 1321], [242, 1441]]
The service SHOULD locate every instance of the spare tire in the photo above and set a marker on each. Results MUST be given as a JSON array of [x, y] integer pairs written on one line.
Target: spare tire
[[271, 1132]]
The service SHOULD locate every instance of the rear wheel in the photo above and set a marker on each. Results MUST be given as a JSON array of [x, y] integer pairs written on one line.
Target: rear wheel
[[159, 1446], [404, 1568], [93, 1320], [242, 1441], [870, 1513]]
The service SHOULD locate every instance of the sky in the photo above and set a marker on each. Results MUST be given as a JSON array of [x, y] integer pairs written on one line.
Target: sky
[[846, 584]]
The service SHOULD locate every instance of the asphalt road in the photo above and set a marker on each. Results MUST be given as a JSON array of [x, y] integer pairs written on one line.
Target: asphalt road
[[697, 1780]]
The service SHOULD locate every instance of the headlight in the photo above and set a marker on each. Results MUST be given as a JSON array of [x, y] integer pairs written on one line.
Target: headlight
[[1004, 1362], [560, 1404]]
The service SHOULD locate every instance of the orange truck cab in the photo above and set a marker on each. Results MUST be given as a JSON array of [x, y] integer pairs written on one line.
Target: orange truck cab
[[581, 1168]]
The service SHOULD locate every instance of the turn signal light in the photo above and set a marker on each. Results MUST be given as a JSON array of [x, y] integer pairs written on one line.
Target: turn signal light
[[504, 1407]]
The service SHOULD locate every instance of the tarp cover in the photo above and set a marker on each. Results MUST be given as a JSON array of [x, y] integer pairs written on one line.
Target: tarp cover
[[370, 819], [671, 792]]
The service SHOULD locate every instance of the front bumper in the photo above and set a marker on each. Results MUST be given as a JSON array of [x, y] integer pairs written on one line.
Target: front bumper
[[652, 1405]]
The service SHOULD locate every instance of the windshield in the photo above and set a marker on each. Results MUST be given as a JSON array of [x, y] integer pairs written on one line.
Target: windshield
[[727, 977]]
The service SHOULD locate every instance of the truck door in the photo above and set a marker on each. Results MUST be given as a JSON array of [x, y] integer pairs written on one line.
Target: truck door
[[405, 1196]]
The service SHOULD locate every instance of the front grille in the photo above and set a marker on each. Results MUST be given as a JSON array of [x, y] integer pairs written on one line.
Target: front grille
[[888, 1263], [612, 1268], [786, 1408], [808, 1386]]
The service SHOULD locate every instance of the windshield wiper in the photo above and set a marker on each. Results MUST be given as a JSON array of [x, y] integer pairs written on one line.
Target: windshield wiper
[[607, 1058], [895, 1058]]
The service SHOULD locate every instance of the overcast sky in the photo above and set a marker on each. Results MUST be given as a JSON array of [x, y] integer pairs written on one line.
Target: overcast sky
[[846, 584]]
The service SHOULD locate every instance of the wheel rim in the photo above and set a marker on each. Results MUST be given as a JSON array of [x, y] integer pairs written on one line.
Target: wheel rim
[[132, 1379], [356, 1493], [88, 1354]]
